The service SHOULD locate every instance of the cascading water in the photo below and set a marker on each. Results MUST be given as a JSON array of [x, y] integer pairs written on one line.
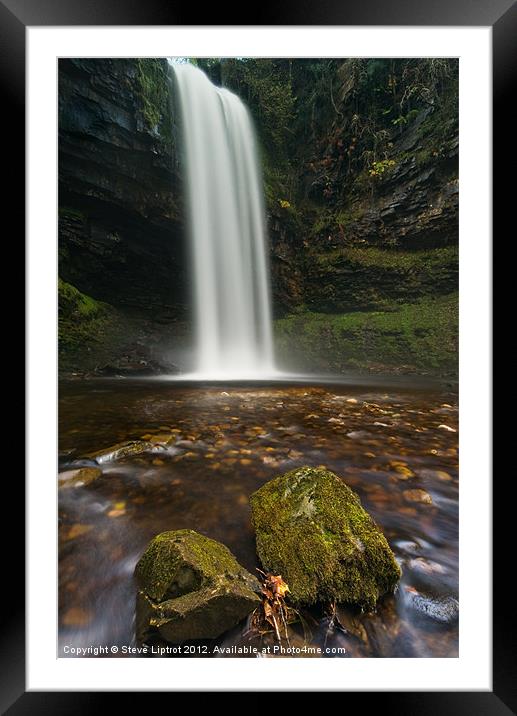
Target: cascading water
[[225, 199]]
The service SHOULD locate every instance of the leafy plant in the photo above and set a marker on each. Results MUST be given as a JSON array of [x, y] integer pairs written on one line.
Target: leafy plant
[[380, 168]]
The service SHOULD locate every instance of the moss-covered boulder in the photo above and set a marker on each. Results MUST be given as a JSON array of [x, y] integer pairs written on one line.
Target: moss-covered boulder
[[191, 587], [311, 529]]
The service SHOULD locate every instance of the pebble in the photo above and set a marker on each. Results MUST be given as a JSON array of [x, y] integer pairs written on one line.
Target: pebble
[[446, 427], [75, 616], [78, 478], [434, 474], [418, 496], [426, 566], [440, 609], [77, 530]]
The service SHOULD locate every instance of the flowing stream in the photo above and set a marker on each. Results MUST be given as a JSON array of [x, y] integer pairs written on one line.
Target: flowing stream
[[222, 443], [227, 226]]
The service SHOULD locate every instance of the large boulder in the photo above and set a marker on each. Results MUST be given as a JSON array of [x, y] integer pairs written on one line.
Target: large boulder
[[311, 529], [191, 587]]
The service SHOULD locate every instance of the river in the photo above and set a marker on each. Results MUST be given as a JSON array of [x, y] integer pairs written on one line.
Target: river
[[394, 442]]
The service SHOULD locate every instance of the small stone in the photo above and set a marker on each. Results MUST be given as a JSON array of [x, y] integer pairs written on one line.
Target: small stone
[[120, 450], [75, 616], [426, 566], [358, 434], [418, 496], [352, 400], [77, 530], [402, 470], [434, 475], [441, 609], [446, 427], [80, 477], [163, 438]]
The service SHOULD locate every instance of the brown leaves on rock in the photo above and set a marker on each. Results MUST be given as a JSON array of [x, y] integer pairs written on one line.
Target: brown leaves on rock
[[273, 612], [274, 588]]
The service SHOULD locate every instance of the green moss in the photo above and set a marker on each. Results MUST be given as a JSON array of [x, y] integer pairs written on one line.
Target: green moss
[[154, 92], [83, 321], [191, 587], [332, 221], [410, 337], [312, 529], [395, 260], [180, 561], [66, 212]]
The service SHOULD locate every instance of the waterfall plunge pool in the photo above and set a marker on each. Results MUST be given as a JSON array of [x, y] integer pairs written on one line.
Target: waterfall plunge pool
[[385, 438]]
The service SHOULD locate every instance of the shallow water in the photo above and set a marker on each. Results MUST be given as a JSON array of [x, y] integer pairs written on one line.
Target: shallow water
[[384, 441]]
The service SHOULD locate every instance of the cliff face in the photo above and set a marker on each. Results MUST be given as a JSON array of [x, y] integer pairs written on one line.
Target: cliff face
[[360, 163], [354, 234], [120, 214]]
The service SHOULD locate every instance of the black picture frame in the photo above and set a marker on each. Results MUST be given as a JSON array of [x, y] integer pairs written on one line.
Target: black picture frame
[[15, 16]]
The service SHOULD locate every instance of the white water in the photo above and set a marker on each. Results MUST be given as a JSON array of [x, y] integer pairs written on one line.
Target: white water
[[227, 227]]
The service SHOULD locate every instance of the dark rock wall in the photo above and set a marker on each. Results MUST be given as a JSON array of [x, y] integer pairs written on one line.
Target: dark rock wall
[[120, 214]]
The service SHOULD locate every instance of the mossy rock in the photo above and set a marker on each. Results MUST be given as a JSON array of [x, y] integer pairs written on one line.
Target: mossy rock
[[311, 528], [191, 587]]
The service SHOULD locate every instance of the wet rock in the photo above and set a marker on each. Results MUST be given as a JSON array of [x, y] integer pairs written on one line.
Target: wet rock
[[426, 566], [163, 438], [78, 530], [76, 617], [311, 528], [402, 469], [191, 587], [120, 450], [135, 364], [80, 477], [434, 475], [440, 609], [418, 496]]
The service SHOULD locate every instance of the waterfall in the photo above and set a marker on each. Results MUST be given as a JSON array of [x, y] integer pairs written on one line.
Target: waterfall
[[232, 305]]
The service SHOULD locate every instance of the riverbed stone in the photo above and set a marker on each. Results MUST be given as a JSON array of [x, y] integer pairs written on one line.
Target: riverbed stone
[[418, 495], [191, 587], [312, 529], [78, 478], [129, 448]]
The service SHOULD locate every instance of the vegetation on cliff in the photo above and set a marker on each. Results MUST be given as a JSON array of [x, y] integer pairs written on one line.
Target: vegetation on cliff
[[419, 337], [360, 164]]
